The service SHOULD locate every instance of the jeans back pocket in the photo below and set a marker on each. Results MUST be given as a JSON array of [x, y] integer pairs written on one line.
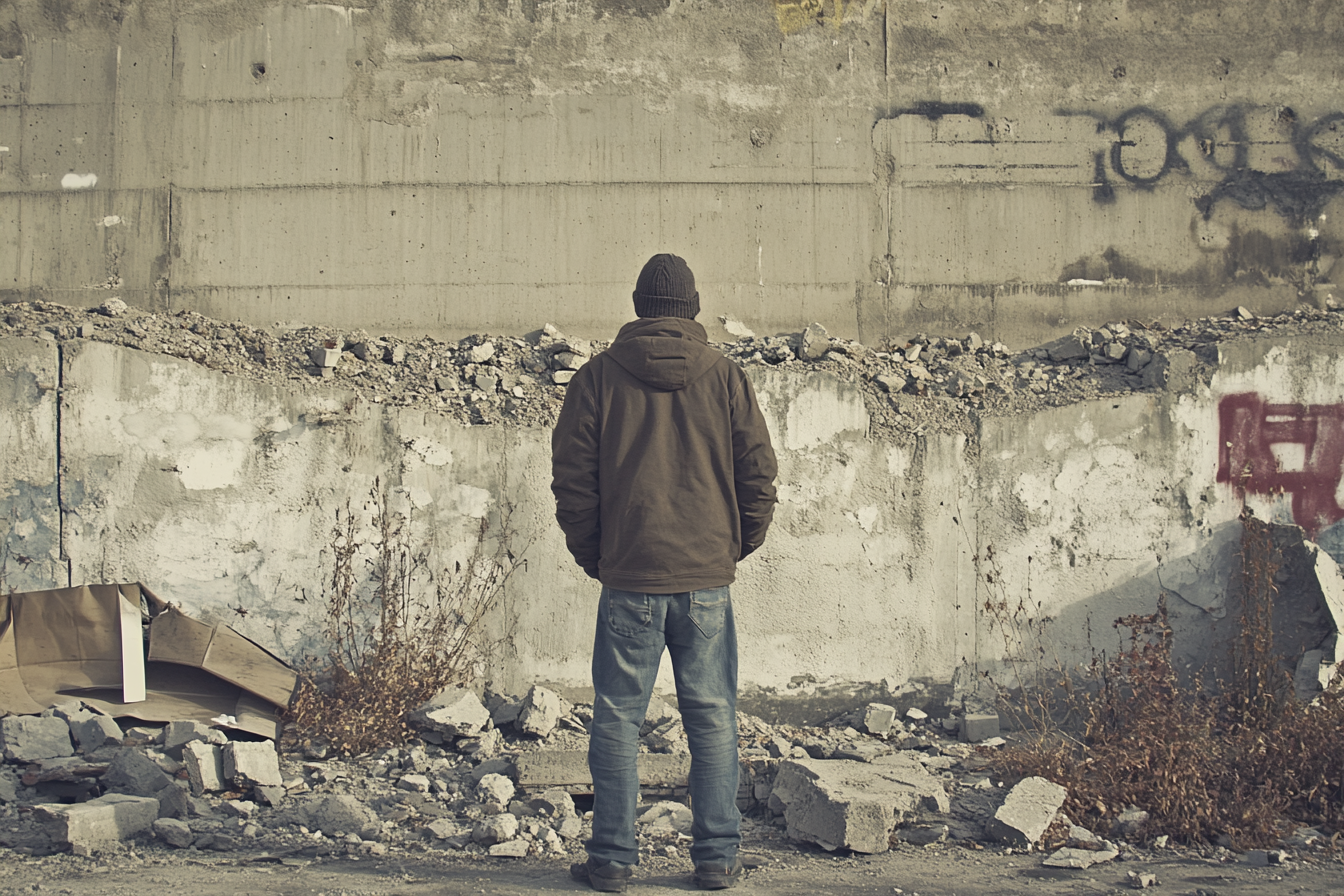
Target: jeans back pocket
[[628, 612], [708, 610]]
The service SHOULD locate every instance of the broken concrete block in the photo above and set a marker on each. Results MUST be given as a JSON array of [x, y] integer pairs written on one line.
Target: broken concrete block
[[540, 713], [668, 738], [33, 738], [205, 767], [841, 804], [495, 789], [516, 849], [1130, 822], [815, 342], [82, 826], [570, 829], [414, 783], [979, 726], [175, 833], [1070, 857], [658, 714], [94, 732], [252, 764], [174, 802], [9, 787], [553, 803], [922, 834], [878, 718], [1030, 808], [667, 817], [135, 773], [339, 815], [324, 356], [443, 828], [495, 829], [177, 735], [269, 795], [1067, 348], [455, 712], [566, 768]]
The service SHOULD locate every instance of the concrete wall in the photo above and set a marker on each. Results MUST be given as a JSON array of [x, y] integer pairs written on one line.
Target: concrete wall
[[468, 165], [879, 578]]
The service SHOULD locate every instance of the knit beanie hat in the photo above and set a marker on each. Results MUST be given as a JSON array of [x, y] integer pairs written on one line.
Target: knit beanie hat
[[666, 288]]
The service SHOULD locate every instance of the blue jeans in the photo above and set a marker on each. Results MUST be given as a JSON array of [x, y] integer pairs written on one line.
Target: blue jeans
[[697, 629]]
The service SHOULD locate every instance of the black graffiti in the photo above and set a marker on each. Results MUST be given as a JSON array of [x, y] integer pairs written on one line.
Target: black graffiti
[[934, 110], [1223, 139]]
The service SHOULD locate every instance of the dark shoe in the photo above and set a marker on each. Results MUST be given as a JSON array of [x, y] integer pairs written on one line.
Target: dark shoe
[[606, 877], [709, 877]]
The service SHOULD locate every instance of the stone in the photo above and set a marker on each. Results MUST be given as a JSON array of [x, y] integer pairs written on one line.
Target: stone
[[562, 377], [1137, 359], [95, 731], [1070, 857], [1067, 348], [176, 834], [570, 829], [34, 738], [979, 726], [922, 834], [666, 816], [815, 342], [556, 803], [841, 804], [1141, 880], [177, 735], [495, 789], [341, 814], [1030, 808], [394, 354], [512, 849], [270, 795], [324, 356], [205, 767], [1130, 822], [479, 354], [658, 714], [174, 802], [238, 808], [891, 382], [251, 763], [669, 738], [135, 773], [414, 783], [455, 712], [109, 818], [540, 712], [495, 829], [878, 719], [9, 787], [916, 714]]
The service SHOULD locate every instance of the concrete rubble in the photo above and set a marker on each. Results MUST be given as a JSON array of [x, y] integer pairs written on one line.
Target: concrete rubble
[[520, 380], [188, 787]]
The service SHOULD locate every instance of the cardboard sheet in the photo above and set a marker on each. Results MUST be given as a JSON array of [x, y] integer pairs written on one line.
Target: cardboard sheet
[[88, 642]]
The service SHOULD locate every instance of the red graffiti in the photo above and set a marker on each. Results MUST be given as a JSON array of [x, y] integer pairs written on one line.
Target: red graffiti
[[1249, 428]]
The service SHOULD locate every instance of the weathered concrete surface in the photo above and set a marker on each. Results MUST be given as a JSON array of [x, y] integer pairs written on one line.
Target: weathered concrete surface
[[881, 167], [106, 819], [882, 575], [30, 555]]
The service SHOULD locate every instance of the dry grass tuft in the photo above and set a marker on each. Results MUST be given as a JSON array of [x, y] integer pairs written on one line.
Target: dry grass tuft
[[397, 644]]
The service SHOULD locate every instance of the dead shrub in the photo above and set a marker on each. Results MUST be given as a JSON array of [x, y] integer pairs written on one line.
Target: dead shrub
[[1241, 759], [399, 632]]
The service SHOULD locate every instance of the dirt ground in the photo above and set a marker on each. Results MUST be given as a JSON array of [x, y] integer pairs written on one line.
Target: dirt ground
[[780, 867]]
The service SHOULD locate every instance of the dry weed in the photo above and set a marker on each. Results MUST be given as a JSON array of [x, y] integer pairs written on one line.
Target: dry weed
[[397, 644], [1244, 760]]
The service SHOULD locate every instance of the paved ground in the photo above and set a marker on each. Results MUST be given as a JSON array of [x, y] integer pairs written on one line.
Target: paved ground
[[782, 870]]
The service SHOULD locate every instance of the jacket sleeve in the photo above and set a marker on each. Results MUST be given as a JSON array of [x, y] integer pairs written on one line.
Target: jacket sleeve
[[754, 468], [574, 472]]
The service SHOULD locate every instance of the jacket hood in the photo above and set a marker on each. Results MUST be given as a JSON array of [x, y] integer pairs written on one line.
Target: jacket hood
[[664, 352]]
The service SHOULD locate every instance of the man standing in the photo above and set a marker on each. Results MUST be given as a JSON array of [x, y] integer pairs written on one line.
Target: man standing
[[663, 477]]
